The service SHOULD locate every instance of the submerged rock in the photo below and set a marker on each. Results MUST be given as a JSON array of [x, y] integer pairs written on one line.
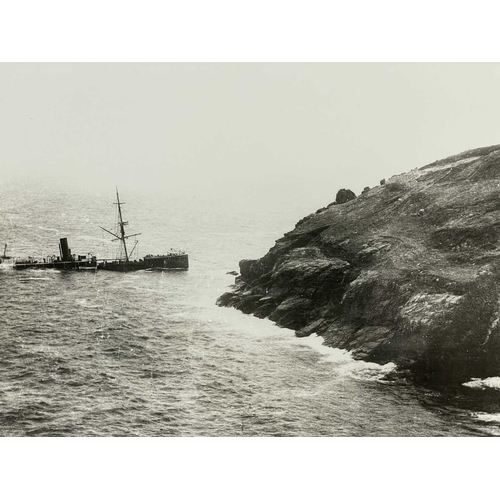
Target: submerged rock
[[408, 273]]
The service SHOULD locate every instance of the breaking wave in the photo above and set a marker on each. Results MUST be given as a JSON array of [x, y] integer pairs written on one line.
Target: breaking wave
[[349, 367], [361, 370], [487, 417], [487, 383], [330, 354]]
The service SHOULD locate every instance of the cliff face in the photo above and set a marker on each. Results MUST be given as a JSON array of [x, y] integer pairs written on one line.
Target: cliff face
[[407, 272]]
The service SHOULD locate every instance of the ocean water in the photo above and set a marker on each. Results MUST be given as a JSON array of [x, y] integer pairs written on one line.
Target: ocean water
[[150, 354]]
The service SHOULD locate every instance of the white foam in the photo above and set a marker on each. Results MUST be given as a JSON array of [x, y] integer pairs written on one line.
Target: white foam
[[362, 370], [348, 367], [42, 270], [331, 354], [487, 417], [486, 383]]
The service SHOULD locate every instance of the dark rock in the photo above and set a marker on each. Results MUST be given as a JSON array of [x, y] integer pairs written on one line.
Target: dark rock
[[245, 266], [228, 299], [249, 303], [293, 312], [388, 285], [295, 304], [339, 334], [367, 253], [344, 195], [311, 328], [308, 269], [304, 219], [265, 309], [366, 340]]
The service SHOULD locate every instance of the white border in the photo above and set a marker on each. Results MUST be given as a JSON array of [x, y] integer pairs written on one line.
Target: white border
[[242, 468], [247, 31], [261, 30]]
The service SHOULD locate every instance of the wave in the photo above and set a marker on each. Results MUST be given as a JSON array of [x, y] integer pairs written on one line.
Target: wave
[[35, 279], [362, 370], [487, 417], [486, 383], [331, 354], [349, 367], [84, 303]]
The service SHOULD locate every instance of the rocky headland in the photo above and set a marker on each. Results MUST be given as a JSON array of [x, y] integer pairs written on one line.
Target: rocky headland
[[406, 272]]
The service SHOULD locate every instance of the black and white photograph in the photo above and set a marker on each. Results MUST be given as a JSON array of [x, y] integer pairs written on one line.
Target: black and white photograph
[[245, 249], [249, 250]]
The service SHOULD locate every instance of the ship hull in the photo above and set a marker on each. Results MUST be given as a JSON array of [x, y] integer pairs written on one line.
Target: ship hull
[[159, 262], [61, 265]]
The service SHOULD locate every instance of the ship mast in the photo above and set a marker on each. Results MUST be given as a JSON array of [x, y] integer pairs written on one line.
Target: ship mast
[[122, 225]]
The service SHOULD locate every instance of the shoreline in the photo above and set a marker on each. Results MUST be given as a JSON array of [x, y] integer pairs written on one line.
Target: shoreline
[[407, 272]]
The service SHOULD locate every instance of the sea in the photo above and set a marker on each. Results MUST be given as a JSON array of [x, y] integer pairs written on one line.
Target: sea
[[150, 354]]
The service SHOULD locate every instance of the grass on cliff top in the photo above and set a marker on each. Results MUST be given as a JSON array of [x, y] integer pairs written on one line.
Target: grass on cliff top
[[443, 221]]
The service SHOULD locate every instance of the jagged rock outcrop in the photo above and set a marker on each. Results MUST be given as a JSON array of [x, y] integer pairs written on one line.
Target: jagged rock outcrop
[[409, 272]]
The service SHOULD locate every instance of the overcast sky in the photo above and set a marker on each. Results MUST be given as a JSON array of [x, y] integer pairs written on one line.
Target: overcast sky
[[209, 128]]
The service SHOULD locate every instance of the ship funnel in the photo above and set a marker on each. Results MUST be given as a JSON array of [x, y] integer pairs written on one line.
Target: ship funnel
[[64, 249]]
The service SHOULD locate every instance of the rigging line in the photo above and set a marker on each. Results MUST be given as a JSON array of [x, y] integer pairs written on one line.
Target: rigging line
[[112, 234], [133, 248], [125, 237]]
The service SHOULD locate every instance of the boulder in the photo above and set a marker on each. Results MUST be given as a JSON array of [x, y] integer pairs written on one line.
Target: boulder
[[344, 195]]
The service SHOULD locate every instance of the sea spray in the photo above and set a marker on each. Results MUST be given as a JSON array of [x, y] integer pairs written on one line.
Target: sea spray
[[348, 367]]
